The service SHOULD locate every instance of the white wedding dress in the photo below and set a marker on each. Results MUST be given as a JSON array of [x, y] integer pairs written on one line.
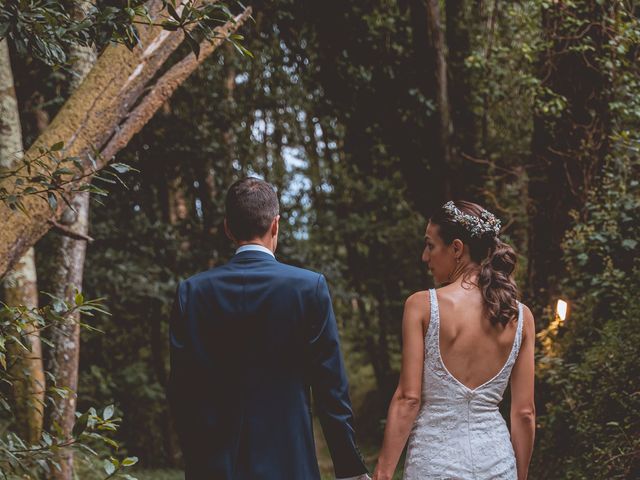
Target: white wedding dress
[[459, 432]]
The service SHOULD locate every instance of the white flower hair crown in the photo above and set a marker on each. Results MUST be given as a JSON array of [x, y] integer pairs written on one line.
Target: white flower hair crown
[[476, 226]]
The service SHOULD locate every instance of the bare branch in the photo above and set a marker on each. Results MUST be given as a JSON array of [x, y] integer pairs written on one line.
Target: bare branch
[[164, 88], [67, 232]]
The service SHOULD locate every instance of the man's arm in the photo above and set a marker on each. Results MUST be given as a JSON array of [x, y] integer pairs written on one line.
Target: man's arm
[[331, 389], [179, 369]]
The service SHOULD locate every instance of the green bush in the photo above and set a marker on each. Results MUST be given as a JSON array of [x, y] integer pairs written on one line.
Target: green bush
[[590, 380]]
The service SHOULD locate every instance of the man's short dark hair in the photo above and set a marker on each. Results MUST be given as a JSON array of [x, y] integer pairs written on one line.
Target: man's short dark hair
[[251, 206]]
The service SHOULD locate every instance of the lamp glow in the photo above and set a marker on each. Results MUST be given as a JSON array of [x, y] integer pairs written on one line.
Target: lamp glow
[[561, 309]]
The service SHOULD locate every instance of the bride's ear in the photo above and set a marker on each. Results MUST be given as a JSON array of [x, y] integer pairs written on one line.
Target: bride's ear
[[458, 248]]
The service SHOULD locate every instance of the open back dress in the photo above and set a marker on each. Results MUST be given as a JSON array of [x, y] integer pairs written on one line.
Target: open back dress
[[459, 432]]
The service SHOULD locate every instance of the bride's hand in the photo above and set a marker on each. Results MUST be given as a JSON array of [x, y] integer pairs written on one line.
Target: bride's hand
[[377, 475]]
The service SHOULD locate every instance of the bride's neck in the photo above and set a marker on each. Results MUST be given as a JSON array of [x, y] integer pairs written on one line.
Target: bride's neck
[[466, 276]]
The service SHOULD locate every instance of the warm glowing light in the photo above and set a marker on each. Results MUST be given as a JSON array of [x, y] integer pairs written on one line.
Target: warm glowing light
[[561, 309]]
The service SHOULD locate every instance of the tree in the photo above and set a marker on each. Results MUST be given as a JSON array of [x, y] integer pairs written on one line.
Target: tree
[[436, 35], [20, 285], [572, 125], [60, 180], [67, 282], [97, 121]]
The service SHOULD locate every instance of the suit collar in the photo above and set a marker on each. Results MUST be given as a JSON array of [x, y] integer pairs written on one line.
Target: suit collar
[[252, 255], [254, 247]]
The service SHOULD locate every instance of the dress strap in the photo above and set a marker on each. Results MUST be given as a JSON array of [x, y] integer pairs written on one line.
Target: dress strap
[[431, 337], [518, 340], [435, 311]]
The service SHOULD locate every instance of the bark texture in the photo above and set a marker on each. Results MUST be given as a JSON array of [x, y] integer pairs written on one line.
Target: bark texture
[[437, 40], [20, 284], [65, 356], [105, 103], [64, 359]]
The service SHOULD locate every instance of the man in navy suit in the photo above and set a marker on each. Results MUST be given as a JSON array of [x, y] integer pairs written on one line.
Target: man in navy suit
[[250, 342]]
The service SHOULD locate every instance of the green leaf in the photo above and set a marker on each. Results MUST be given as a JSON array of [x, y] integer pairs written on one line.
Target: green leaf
[[53, 201], [81, 425], [108, 412], [57, 147], [121, 167], [63, 171], [172, 12], [109, 467], [79, 298], [127, 462]]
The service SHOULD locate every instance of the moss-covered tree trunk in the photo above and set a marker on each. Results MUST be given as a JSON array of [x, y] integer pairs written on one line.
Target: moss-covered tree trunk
[[112, 104], [20, 284], [68, 272]]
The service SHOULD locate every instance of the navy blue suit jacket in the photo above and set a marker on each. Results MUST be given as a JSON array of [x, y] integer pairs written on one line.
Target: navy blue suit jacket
[[250, 341]]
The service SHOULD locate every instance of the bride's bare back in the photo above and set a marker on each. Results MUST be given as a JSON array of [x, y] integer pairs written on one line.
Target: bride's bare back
[[457, 363], [472, 348]]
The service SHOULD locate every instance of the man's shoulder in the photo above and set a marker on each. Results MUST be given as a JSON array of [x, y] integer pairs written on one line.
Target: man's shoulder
[[205, 274], [298, 273], [284, 272]]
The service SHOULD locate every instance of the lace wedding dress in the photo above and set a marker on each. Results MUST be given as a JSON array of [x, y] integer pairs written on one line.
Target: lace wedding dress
[[459, 432]]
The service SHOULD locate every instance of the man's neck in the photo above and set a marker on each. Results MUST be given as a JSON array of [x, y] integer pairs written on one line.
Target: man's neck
[[262, 243]]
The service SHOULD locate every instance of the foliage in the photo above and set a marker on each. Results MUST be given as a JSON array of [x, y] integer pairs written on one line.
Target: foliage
[[18, 457], [588, 374], [46, 29], [56, 176], [590, 427], [337, 109]]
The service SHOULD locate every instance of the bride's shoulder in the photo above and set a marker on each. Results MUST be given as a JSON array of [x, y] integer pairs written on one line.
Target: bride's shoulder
[[416, 312], [417, 302], [418, 298], [528, 322]]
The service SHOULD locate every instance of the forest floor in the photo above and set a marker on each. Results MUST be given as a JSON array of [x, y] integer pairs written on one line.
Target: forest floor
[[324, 462], [93, 470]]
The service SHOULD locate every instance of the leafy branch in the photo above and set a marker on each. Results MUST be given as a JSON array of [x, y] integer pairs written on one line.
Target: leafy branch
[[17, 456], [52, 177], [46, 29]]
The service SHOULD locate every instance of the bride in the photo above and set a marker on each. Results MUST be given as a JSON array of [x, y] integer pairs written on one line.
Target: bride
[[461, 345]]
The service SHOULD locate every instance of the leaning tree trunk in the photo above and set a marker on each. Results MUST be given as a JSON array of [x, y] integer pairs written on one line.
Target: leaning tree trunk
[[20, 285], [569, 143], [67, 280], [113, 103]]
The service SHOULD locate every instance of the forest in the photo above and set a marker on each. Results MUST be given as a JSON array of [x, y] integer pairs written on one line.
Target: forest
[[124, 122]]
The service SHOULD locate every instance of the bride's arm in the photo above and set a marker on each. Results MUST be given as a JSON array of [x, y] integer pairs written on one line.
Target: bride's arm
[[523, 410], [406, 400]]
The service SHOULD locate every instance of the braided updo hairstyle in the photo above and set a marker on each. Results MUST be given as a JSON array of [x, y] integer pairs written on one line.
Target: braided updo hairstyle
[[497, 261]]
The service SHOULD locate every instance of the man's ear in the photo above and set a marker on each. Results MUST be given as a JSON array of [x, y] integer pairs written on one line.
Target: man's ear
[[275, 225], [227, 232]]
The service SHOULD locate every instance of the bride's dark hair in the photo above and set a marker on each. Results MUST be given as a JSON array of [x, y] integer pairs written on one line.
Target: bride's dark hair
[[497, 261]]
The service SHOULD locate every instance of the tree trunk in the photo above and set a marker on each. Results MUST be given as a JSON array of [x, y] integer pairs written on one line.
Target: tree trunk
[[467, 177], [65, 356], [20, 285], [437, 41], [570, 144], [113, 95]]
